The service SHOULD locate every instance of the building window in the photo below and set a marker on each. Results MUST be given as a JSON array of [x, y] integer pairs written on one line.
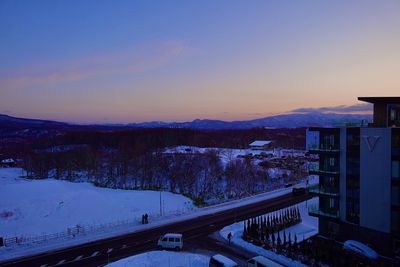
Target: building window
[[332, 162], [396, 195], [331, 203], [396, 222], [331, 181], [395, 169]]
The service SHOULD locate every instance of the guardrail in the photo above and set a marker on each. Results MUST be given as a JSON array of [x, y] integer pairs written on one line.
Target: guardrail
[[313, 209], [82, 230]]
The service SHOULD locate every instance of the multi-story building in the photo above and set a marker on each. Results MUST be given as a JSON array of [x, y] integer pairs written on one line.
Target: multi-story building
[[359, 178]]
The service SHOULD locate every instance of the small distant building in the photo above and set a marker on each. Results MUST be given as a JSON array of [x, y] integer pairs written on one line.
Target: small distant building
[[8, 163], [261, 145]]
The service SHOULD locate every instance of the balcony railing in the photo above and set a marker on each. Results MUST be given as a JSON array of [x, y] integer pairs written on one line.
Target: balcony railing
[[314, 210], [323, 190], [314, 168], [319, 148]]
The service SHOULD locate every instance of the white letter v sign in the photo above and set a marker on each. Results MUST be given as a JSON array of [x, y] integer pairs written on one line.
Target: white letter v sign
[[370, 145]]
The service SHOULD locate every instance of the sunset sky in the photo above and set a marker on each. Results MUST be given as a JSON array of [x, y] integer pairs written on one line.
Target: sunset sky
[[131, 61]]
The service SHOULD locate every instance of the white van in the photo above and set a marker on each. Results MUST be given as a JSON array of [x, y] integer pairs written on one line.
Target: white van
[[170, 241], [261, 261], [221, 261]]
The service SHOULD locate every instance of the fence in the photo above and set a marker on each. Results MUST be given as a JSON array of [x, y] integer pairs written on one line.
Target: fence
[[80, 230]]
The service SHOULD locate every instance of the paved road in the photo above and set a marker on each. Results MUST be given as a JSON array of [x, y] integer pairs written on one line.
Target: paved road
[[101, 252], [215, 244]]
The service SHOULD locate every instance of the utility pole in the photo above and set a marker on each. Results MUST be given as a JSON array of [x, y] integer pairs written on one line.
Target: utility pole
[[160, 204]]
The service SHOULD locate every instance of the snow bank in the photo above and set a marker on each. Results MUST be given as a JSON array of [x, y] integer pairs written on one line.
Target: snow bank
[[34, 207], [163, 258], [304, 230]]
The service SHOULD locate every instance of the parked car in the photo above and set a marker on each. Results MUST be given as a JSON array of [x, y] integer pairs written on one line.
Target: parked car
[[170, 241], [360, 249], [221, 261], [261, 261]]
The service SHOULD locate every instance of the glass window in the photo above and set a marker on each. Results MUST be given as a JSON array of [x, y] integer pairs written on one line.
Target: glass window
[[396, 221], [395, 169], [395, 195], [392, 114], [331, 203]]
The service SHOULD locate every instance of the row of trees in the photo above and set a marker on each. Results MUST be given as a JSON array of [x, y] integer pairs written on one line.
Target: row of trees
[[135, 159], [262, 230], [201, 176]]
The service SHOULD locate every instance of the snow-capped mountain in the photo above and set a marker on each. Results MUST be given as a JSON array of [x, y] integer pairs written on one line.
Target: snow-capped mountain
[[291, 120]]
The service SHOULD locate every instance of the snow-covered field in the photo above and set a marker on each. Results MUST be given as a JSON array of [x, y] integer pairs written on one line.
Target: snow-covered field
[[22, 195], [163, 258], [307, 228], [35, 207]]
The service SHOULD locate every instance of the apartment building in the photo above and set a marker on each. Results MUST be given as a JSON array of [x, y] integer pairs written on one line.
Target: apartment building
[[359, 178]]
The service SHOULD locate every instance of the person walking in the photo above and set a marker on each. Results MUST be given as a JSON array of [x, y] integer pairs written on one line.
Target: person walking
[[146, 218], [142, 218], [229, 237]]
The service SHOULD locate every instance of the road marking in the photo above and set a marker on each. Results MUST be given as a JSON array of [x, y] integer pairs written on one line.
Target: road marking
[[95, 254], [109, 250], [44, 265], [124, 246], [78, 258], [61, 262]]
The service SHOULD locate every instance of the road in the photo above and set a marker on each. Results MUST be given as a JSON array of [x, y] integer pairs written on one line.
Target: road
[[99, 253], [215, 244]]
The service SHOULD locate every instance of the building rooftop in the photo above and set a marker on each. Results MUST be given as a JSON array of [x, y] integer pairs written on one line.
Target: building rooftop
[[261, 143], [381, 99]]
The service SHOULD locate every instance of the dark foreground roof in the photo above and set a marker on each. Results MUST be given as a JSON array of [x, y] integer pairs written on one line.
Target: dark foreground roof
[[381, 99]]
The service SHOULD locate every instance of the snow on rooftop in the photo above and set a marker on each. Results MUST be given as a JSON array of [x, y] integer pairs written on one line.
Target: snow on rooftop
[[173, 235], [7, 161], [226, 261], [163, 258], [261, 143]]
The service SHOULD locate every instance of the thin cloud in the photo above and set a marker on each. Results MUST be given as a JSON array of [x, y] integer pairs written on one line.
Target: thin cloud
[[139, 58], [358, 108]]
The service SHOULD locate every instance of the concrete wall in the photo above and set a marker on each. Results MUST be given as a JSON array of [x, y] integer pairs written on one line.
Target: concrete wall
[[342, 177], [312, 139], [375, 178]]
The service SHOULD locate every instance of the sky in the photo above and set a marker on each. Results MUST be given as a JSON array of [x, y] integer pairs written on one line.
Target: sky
[[133, 61]]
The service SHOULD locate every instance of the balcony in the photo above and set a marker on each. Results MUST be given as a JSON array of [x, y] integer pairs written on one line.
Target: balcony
[[313, 210], [314, 168], [323, 148], [323, 190]]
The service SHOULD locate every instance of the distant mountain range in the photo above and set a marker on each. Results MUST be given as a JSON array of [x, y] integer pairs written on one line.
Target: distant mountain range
[[291, 120]]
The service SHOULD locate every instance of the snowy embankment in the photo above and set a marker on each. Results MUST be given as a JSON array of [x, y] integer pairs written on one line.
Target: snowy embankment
[[304, 230], [33, 206], [163, 258]]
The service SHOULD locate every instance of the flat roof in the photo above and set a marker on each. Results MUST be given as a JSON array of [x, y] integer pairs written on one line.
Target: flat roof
[[226, 261], [261, 143], [381, 99]]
